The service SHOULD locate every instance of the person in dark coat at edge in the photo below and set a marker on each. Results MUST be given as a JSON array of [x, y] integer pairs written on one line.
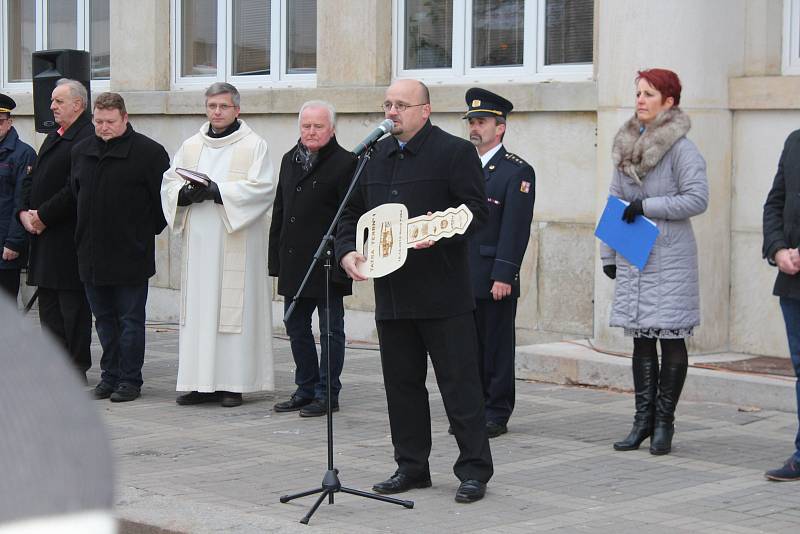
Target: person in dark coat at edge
[[116, 178], [781, 226], [16, 162], [47, 211], [496, 251], [426, 306], [314, 178]]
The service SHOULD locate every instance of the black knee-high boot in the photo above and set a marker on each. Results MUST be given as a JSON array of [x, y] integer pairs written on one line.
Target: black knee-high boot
[[674, 365], [645, 384]]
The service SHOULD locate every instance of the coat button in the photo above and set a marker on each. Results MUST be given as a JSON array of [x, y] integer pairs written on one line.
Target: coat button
[[402, 156], [291, 219], [291, 251], [394, 192], [299, 188]]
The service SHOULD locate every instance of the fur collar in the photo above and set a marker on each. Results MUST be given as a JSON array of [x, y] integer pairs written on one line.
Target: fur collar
[[636, 154]]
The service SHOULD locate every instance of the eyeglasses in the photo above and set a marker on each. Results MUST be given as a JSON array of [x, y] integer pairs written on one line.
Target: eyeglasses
[[399, 106], [221, 107]]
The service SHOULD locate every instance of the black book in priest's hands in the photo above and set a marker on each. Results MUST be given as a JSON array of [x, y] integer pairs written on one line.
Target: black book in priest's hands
[[193, 177]]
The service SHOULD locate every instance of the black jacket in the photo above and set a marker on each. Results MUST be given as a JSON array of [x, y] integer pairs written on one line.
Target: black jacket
[[496, 249], [305, 204], [16, 161], [434, 171], [117, 185], [782, 214], [53, 262]]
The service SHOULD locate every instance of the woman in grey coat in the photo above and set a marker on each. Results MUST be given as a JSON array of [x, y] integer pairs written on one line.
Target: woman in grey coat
[[663, 176]]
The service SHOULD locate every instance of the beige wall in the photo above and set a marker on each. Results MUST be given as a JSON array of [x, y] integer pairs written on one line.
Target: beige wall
[[727, 52]]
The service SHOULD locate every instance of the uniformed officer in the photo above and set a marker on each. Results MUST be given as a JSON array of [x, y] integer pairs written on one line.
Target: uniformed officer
[[16, 161], [497, 249]]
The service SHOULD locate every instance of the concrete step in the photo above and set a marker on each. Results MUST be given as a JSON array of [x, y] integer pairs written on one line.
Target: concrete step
[[578, 363]]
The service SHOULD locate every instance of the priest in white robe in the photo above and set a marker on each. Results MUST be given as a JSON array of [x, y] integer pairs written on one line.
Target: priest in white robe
[[225, 324]]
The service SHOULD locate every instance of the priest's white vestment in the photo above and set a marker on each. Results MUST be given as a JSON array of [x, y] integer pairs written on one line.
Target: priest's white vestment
[[226, 325]]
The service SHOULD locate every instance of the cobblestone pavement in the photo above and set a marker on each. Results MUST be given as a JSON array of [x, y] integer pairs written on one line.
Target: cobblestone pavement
[[212, 469]]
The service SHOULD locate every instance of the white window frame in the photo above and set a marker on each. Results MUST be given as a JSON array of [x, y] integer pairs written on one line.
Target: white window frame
[[461, 71], [278, 77], [83, 22], [791, 37]]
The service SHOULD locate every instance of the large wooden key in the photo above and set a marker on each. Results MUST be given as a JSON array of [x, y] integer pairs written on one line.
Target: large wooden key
[[384, 234]]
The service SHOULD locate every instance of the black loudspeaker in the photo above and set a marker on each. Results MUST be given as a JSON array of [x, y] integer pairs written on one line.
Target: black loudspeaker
[[49, 66]]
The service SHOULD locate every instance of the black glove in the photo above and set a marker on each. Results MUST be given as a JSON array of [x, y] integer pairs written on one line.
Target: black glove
[[191, 194], [213, 191], [610, 270], [185, 195], [633, 209]]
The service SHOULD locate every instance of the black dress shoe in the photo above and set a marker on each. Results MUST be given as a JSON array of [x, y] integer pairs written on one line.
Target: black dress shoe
[[196, 397], [103, 390], [318, 408], [495, 429], [292, 405], [399, 482], [230, 399], [470, 491], [125, 393]]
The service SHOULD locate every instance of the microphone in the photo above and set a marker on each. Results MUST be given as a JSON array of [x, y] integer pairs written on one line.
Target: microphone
[[382, 129]]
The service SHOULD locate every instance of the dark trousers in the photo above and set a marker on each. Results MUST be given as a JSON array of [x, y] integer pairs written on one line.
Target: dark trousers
[[9, 282], [791, 316], [119, 313], [452, 345], [310, 372], [65, 313], [497, 342]]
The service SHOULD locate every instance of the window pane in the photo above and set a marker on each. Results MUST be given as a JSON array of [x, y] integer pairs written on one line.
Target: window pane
[[251, 37], [199, 38], [429, 34], [498, 32], [99, 40], [21, 38], [301, 38], [568, 34], [62, 24]]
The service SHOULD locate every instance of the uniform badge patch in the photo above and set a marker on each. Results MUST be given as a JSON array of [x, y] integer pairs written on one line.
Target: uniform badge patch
[[525, 187], [29, 169], [476, 103]]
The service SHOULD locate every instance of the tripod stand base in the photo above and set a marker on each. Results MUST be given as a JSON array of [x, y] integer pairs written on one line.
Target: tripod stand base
[[331, 485]]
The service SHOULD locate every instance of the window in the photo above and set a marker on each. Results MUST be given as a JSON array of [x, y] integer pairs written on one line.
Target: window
[[245, 41], [791, 37], [30, 25], [502, 40]]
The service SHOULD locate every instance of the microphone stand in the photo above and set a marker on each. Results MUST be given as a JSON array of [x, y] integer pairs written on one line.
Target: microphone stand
[[330, 481]]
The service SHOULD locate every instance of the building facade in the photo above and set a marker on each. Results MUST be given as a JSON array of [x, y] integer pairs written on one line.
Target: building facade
[[568, 66]]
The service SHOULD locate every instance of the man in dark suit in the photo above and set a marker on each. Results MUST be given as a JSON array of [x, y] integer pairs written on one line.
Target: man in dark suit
[[425, 307], [48, 212], [781, 239], [313, 180], [116, 178], [496, 251]]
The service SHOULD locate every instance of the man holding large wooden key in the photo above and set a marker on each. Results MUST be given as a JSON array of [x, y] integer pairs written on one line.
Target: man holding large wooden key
[[427, 305]]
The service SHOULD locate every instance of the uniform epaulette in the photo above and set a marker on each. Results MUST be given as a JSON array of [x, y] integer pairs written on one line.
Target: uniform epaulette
[[513, 158]]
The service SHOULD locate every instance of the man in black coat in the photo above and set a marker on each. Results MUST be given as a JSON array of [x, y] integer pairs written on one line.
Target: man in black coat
[[496, 251], [116, 178], [313, 180], [16, 162], [781, 240], [47, 211], [426, 306]]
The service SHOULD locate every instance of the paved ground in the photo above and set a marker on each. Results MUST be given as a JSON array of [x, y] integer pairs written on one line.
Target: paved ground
[[210, 469]]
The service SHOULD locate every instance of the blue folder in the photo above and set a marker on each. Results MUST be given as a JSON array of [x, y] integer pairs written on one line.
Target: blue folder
[[632, 240]]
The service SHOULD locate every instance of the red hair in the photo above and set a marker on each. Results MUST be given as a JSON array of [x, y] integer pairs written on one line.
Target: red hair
[[664, 81]]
